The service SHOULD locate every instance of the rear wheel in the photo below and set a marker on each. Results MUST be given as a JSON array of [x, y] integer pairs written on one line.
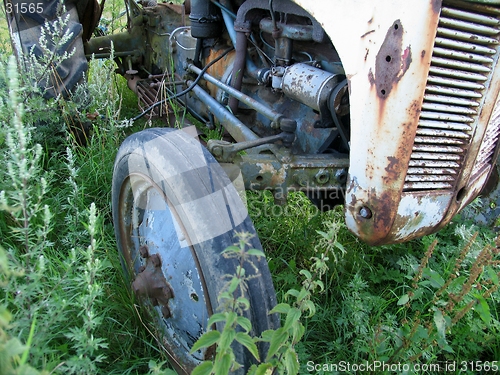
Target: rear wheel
[[41, 42], [47, 40], [174, 212]]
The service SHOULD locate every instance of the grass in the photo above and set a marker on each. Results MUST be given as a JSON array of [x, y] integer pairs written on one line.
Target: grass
[[68, 309]]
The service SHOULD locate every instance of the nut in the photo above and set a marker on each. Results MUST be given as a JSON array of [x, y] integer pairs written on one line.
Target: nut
[[144, 251], [165, 311], [156, 260], [322, 177]]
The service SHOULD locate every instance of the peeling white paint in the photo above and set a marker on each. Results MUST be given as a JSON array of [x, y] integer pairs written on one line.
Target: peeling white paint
[[419, 212]]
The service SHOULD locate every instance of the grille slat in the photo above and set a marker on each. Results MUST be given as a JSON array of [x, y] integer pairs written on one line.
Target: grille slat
[[439, 140], [469, 16], [460, 55], [445, 117], [444, 125], [410, 186], [460, 74], [430, 177], [433, 163], [448, 108], [429, 171], [461, 67], [468, 26], [450, 100], [435, 156], [449, 134], [455, 83], [437, 148], [463, 46], [470, 37], [452, 91]]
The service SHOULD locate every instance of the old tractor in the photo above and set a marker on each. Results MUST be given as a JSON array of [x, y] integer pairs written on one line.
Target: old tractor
[[389, 108]]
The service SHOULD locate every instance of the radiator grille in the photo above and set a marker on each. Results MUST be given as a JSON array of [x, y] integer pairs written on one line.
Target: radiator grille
[[490, 141], [461, 67]]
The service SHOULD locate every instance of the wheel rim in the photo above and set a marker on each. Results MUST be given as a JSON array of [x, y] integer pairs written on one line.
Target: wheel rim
[[150, 225]]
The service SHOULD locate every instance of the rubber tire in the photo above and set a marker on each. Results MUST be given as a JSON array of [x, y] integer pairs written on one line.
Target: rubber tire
[[25, 35], [162, 152]]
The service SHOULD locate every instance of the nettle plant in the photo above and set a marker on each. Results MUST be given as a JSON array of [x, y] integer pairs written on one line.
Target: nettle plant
[[281, 356], [448, 312], [450, 306]]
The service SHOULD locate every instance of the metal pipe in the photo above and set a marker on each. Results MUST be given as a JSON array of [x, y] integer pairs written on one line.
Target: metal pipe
[[252, 103], [291, 31], [238, 68], [239, 131], [227, 16], [228, 20]]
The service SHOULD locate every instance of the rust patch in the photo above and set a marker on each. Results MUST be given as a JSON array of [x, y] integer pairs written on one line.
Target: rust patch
[[368, 32], [375, 229], [392, 61], [393, 169], [219, 68], [384, 215]]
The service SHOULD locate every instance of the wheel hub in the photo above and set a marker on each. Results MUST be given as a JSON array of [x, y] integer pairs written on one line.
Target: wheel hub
[[151, 283]]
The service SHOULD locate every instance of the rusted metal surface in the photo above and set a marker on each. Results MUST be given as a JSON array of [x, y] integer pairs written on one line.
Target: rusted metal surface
[[445, 126], [391, 61], [284, 173], [238, 130], [151, 283], [309, 85], [393, 56], [421, 84], [479, 26], [249, 8]]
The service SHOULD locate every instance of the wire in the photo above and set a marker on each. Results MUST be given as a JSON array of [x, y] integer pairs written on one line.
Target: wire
[[183, 92], [273, 16]]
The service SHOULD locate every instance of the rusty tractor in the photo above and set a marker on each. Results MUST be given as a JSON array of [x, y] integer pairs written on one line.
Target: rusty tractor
[[390, 109]]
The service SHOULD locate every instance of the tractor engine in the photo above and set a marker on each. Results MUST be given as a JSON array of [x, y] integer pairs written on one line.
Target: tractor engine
[[396, 119]]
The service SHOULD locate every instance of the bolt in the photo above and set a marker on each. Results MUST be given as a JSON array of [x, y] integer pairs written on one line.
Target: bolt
[[156, 260], [341, 175], [165, 311], [167, 292], [144, 251], [365, 212], [217, 151], [302, 179], [322, 177]]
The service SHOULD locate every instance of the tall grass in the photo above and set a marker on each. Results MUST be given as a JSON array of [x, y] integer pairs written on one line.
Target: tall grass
[[65, 307]]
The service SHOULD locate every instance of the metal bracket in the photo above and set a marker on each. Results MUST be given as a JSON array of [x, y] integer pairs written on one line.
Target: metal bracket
[[226, 151]]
